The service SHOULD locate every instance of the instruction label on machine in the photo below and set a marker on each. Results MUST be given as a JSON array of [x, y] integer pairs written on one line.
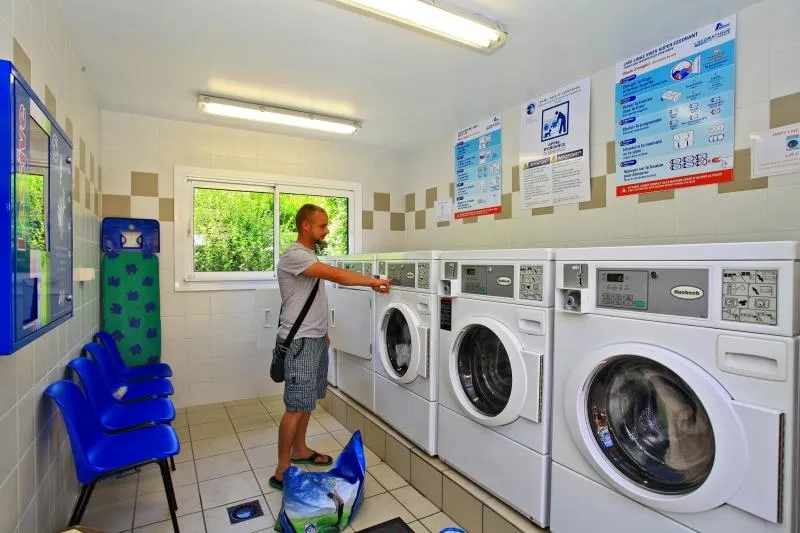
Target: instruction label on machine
[[750, 296]]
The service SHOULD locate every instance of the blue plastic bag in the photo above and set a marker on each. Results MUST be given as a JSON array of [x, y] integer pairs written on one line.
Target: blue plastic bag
[[324, 502]]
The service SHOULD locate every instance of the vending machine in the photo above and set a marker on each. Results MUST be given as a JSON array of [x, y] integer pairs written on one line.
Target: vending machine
[[35, 216]]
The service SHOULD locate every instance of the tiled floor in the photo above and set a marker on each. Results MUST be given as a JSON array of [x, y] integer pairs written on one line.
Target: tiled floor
[[228, 453]]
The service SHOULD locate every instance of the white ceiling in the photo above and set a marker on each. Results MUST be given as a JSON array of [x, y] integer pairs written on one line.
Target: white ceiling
[[152, 57]]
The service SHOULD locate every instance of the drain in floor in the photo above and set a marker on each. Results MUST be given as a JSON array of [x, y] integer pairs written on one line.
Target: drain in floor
[[244, 512]]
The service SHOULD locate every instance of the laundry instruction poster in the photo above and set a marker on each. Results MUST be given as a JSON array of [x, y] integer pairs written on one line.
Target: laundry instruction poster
[[554, 148], [675, 112], [479, 169]]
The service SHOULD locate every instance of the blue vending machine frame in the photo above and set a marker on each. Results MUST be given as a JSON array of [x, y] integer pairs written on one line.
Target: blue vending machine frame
[[36, 283]]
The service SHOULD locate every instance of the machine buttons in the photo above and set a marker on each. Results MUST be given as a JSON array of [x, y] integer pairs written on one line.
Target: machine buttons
[[750, 296], [531, 277]]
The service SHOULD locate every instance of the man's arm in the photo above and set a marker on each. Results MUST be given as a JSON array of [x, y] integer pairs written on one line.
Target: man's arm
[[345, 277]]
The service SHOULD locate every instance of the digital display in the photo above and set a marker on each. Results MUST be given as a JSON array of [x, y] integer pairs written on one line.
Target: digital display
[[470, 271], [616, 277]]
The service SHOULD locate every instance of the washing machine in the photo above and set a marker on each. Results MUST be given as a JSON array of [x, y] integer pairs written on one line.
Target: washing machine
[[496, 340], [351, 332], [675, 389], [329, 287], [407, 323]]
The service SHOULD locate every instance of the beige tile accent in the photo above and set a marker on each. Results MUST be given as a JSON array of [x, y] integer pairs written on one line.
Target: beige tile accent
[[611, 158], [452, 188], [91, 168], [22, 61], [166, 209], [375, 438], [116, 206], [398, 456], [543, 211], [144, 184], [431, 195], [411, 202], [497, 516], [416, 503], [598, 198], [507, 207], [339, 409], [87, 195], [367, 219], [426, 479], [466, 484], [433, 461], [419, 219], [82, 155], [69, 128], [470, 220], [657, 196], [397, 222], [741, 175], [382, 201], [464, 508], [99, 177], [515, 185], [355, 420], [98, 206], [440, 521], [784, 110], [388, 478], [50, 101], [442, 224], [76, 184]]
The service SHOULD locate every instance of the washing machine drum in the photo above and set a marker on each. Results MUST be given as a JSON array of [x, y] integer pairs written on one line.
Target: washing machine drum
[[398, 341], [650, 425], [484, 370]]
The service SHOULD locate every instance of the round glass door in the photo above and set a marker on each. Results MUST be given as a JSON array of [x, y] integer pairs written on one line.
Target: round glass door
[[650, 425], [484, 370], [399, 347]]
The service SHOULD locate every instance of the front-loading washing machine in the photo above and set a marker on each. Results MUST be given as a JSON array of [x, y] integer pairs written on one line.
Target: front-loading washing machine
[[496, 339], [351, 332], [407, 322], [675, 390]]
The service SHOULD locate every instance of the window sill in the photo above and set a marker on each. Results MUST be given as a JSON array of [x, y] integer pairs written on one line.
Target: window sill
[[186, 285]]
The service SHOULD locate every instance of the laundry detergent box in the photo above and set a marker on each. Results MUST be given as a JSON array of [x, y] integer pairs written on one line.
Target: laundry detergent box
[[324, 502]]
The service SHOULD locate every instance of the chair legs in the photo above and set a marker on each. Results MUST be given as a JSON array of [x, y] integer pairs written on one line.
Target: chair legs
[[172, 463], [170, 490], [81, 504]]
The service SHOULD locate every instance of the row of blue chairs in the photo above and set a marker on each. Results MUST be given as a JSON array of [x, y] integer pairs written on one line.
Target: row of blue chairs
[[118, 420]]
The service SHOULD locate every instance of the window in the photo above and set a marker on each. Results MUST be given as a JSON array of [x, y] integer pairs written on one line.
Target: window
[[230, 228]]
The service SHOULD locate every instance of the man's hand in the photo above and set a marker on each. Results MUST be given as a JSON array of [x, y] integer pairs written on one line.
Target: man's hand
[[381, 286]]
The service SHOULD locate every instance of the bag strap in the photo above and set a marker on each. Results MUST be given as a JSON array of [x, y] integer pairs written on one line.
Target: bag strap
[[300, 318]]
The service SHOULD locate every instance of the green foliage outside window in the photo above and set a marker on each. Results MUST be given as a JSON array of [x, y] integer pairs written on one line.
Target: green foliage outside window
[[234, 230]]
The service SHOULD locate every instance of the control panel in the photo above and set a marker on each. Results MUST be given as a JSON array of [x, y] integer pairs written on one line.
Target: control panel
[[750, 296], [424, 275], [354, 266], [531, 279], [665, 291], [402, 274], [489, 280]]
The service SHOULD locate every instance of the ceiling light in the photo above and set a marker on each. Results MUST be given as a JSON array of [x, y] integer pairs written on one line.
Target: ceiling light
[[224, 107], [430, 16]]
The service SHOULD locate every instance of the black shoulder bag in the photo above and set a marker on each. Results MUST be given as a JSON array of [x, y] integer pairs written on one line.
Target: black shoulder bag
[[277, 369]]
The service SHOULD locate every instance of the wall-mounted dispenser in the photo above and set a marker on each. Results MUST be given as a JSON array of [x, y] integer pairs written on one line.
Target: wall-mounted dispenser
[[35, 217]]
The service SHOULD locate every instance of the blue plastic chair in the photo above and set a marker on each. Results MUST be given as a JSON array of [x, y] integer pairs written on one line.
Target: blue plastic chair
[[125, 372], [98, 455], [137, 390]]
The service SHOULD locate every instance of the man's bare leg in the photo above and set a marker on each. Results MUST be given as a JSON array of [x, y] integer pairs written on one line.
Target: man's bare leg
[[287, 432], [300, 449]]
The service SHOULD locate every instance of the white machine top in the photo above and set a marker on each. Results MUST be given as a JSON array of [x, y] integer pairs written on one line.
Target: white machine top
[[420, 255], [522, 254], [355, 257], [734, 251]]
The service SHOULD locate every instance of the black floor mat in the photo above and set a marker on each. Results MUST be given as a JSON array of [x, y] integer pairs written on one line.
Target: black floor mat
[[395, 525]]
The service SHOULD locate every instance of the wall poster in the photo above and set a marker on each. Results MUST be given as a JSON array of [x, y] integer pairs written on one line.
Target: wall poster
[[479, 175]]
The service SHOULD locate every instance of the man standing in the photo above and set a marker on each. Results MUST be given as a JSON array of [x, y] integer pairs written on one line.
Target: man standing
[[306, 367]]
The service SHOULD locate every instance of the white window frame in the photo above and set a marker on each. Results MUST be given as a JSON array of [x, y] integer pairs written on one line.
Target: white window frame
[[188, 178]]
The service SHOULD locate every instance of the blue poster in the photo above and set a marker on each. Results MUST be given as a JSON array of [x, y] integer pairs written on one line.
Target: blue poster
[[479, 169], [675, 113]]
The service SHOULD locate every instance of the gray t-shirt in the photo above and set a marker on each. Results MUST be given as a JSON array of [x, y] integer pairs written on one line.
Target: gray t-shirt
[[295, 289]]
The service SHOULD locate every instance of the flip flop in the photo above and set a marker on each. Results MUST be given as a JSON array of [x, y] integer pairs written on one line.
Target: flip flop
[[275, 483], [312, 460]]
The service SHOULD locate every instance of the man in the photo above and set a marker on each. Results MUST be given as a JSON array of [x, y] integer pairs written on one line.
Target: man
[[306, 368]]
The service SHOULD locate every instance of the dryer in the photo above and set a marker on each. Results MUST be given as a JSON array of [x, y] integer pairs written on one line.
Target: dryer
[[407, 321], [675, 389], [351, 332], [496, 340], [329, 287]]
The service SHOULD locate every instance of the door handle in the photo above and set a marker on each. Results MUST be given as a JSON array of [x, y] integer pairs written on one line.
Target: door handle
[[333, 318]]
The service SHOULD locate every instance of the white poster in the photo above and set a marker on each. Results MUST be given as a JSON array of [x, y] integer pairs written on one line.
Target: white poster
[[776, 151], [443, 210], [554, 148]]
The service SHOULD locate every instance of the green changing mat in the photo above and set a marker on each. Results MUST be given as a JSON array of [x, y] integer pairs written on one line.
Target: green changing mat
[[131, 305]]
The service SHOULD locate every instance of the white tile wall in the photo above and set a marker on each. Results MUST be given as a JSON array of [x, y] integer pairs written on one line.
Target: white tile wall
[[37, 480], [767, 42]]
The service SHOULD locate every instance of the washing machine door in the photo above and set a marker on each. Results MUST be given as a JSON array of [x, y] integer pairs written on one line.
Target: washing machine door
[[657, 427], [403, 344], [494, 380]]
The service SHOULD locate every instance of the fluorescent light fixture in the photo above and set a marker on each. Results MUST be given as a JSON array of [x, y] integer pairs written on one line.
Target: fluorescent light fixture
[[214, 105], [430, 16]]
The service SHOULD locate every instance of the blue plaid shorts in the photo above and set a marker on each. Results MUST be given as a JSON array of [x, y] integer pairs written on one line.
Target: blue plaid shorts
[[306, 374]]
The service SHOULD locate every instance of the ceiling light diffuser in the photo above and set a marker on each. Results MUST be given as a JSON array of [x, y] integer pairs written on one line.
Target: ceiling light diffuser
[[214, 105], [432, 17]]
